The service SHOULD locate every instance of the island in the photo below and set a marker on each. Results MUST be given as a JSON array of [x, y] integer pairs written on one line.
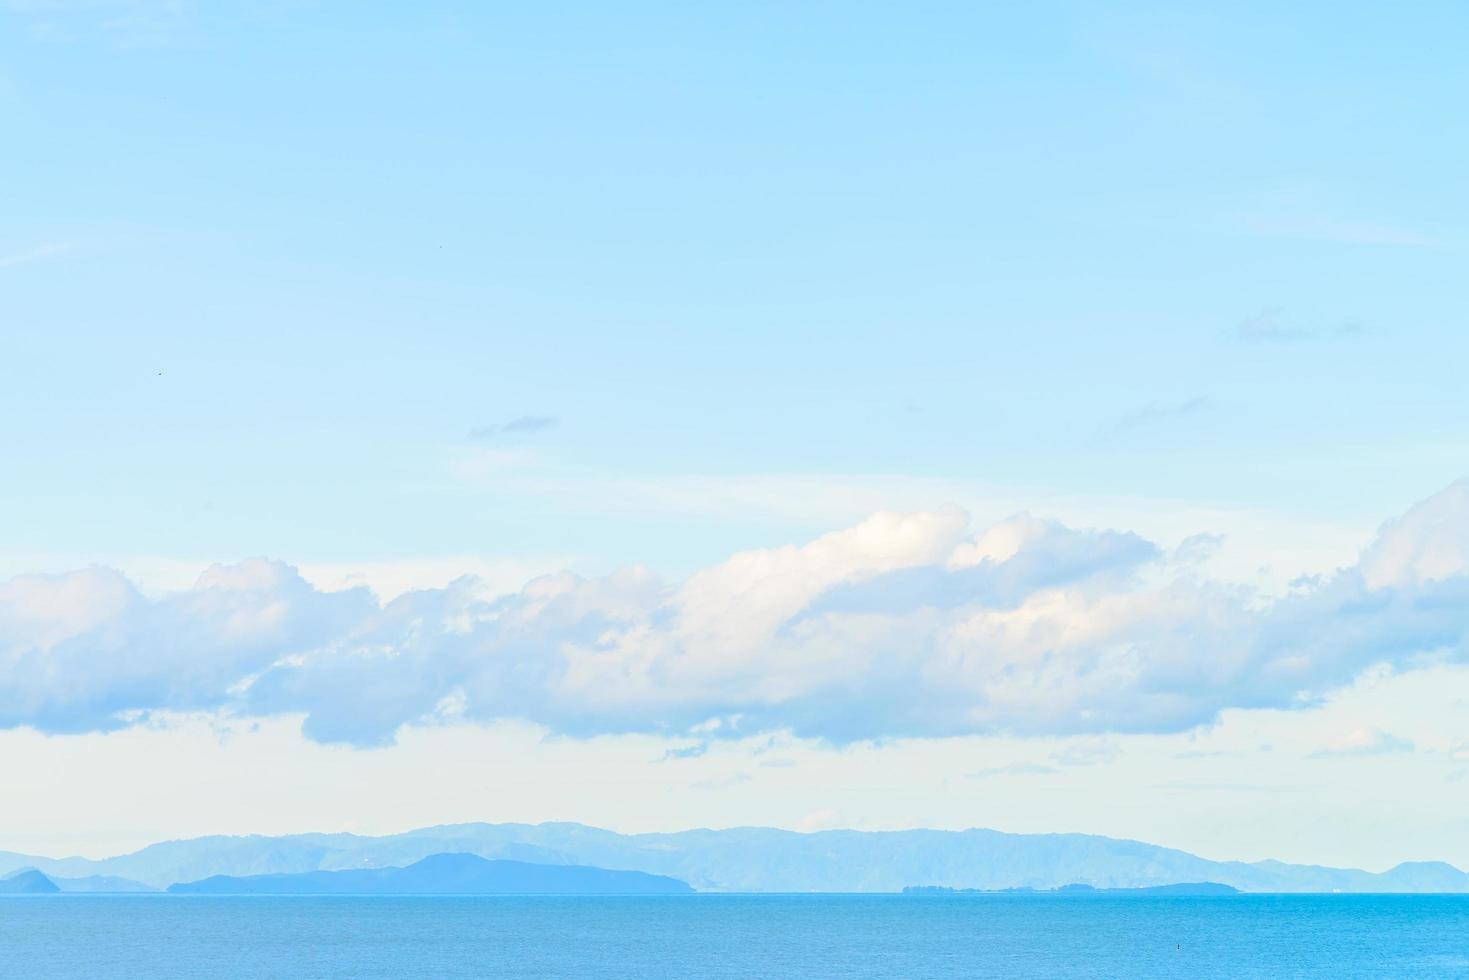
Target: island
[[28, 882], [1192, 889], [445, 874]]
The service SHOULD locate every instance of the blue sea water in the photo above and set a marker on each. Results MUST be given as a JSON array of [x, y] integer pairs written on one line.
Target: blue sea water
[[71, 937]]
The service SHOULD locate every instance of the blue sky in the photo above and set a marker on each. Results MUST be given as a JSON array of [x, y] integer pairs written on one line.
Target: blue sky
[[1133, 252], [389, 296]]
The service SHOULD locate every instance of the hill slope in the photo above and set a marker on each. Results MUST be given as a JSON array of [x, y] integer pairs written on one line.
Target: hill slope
[[28, 882], [445, 874]]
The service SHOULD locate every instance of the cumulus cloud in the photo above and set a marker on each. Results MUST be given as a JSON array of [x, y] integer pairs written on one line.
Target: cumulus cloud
[[903, 625], [83, 651], [1428, 543]]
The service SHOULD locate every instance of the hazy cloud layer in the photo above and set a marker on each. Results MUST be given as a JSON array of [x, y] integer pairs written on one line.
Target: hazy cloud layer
[[904, 625]]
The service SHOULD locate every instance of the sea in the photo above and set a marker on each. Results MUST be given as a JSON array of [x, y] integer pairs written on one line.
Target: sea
[[81, 937]]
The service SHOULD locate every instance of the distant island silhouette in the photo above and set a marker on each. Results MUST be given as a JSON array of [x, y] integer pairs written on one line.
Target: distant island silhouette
[[28, 882], [1077, 890], [445, 874], [740, 859]]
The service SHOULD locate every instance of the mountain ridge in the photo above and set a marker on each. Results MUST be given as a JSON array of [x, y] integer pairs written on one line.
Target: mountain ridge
[[755, 859]]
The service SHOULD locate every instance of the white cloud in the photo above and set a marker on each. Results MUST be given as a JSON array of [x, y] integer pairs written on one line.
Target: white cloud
[[1427, 544], [387, 578], [390, 578], [83, 650], [1265, 548], [902, 625]]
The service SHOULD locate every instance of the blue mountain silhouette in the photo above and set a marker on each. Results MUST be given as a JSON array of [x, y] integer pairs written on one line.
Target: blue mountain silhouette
[[28, 882], [445, 874]]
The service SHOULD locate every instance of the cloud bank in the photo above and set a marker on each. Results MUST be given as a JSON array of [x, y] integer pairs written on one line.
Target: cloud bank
[[903, 625]]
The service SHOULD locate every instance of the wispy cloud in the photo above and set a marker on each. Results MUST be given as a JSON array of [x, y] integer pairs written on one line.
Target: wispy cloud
[[521, 425], [1338, 231], [1155, 413], [128, 23], [1269, 327], [1197, 548], [37, 254], [694, 751]]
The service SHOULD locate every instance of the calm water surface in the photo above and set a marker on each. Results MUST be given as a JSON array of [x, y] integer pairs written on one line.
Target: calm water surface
[[252, 938]]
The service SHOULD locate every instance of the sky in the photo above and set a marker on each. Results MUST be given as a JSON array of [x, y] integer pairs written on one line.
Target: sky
[[1046, 417]]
